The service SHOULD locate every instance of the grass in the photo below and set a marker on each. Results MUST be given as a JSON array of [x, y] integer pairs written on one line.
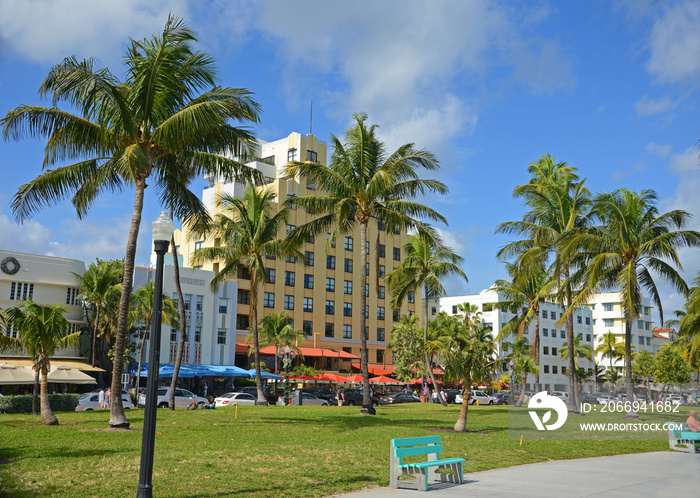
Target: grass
[[267, 451]]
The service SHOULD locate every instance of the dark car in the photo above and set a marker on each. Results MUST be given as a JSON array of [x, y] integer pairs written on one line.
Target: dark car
[[449, 395], [323, 392], [501, 398], [353, 397], [395, 399], [590, 399]]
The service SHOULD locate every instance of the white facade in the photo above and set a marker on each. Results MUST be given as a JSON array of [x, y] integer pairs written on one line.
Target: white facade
[[552, 368], [210, 317], [46, 280], [608, 317]]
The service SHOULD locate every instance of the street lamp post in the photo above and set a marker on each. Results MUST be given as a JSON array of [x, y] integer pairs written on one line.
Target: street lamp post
[[162, 232], [287, 356]]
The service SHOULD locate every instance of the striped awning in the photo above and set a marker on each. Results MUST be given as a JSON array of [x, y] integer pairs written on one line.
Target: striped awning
[[77, 364]]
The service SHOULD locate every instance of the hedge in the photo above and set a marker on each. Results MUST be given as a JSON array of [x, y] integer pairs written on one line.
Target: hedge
[[23, 404]]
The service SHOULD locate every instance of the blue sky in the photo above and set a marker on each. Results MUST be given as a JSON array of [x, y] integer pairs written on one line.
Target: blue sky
[[610, 87]]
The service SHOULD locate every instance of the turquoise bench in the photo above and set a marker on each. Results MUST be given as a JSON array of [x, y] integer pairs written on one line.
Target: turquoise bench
[[422, 472], [681, 439]]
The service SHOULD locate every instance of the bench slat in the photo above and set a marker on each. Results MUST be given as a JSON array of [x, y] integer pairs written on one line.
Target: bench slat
[[434, 463], [413, 441], [418, 450]]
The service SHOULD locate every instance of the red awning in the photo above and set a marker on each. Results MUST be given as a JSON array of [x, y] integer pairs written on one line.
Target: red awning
[[383, 379], [376, 369], [308, 352]]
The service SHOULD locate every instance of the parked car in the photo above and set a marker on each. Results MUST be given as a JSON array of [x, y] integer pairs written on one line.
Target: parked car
[[183, 398], [353, 397], [501, 398], [606, 398], [482, 398], [307, 399], [561, 395], [398, 398], [674, 399], [253, 391], [230, 399], [320, 392], [591, 399], [449, 395], [91, 401]]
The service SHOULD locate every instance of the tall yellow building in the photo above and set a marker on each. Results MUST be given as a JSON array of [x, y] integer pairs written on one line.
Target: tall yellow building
[[323, 296]]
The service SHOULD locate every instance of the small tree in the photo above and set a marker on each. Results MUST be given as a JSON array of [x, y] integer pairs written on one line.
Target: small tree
[[408, 348], [644, 369], [671, 367]]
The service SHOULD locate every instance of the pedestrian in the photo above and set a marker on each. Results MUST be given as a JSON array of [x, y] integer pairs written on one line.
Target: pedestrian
[[435, 396], [101, 398], [340, 396], [108, 398]]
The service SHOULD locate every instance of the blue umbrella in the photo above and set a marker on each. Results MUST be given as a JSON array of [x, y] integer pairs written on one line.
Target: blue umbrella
[[265, 375], [228, 371]]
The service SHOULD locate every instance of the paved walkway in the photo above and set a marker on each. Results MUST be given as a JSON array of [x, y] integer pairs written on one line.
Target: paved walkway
[[661, 474]]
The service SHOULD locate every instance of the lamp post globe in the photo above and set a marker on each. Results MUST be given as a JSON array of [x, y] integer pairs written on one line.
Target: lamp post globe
[[162, 228]]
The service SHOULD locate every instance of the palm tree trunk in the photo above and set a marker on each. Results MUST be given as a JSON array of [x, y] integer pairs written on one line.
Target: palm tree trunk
[[631, 415], [521, 399], [461, 424], [428, 363], [35, 394], [94, 333], [256, 342], [536, 345], [117, 417], [183, 324], [364, 354], [47, 416], [143, 347]]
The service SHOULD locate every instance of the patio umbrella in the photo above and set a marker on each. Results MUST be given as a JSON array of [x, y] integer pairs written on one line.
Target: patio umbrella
[[326, 377], [415, 382], [10, 374], [224, 371], [383, 379], [67, 375], [354, 378], [265, 375]]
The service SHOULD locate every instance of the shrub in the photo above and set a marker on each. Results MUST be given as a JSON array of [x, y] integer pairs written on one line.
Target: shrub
[[23, 404]]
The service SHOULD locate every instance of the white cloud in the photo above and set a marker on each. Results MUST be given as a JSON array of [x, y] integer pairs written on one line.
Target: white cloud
[[621, 175], [46, 31], [687, 162], [648, 106], [674, 44], [661, 151]]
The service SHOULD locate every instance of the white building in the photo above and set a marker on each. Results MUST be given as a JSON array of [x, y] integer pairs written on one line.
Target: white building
[[46, 280], [210, 317], [552, 368], [609, 317]]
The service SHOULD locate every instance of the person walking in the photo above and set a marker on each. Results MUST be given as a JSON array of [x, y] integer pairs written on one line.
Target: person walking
[[101, 398], [341, 397], [108, 398]]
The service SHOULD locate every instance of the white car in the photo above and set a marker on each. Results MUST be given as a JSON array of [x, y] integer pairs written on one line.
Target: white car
[[606, 398], [674, 399], [91, 401], [230, 399], [561, 395], [482, 397], [308, 399], [183, 398]]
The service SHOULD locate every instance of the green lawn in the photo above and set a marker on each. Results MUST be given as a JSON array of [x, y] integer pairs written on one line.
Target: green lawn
[[267, 451]]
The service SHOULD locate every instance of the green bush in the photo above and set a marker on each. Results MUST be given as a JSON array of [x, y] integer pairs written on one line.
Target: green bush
[[23, 404]]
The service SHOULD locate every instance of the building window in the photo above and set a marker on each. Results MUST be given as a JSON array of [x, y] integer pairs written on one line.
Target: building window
[[200, 303], [380, 356], [347, 287], [545, 333], [269, 300], [397, 254], [330, 307], [71, 295], [367, 269], [396, 315], [243, 297], [366, 290], [307, 327], [367, 248], [562, 334], [309, 256], [366, 311], [382, 291], [330, 284], [554, 351], [545, 350], [221, 336], [433, 310], [290, 278], [288, 302], [311, 185], [198, 245], [546, 369], [380, 225], [382, 270], [330, 262], [308, 281], [348, 243], [290, 259], [380, 334], [328, 237], [311, 239], [347, 309], [290, 228], [348, 265], [244, 273], [173, 335], [648, 341], [21, 291], [347, 331], [198, 335], [382, 250], [308, 304], [588, 320], [640, 339], [608, 322], [607, 306], [381, 313], [555, 369], [291, 155], [188, 302], [242, 322], [544, 313], [579, 319], [312, 155], [588, 337], [411, 297], [270, 275], [223, 306], [330, 329]]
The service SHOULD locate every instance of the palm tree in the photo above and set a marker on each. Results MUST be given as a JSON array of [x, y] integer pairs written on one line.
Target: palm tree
[[41, 331], [141, 312], [689, 324], [152, 128], [584, 351], [559, 206], [632, 242], [360, 184], [472, 314], [523, 294], [470, 356], [277, 329], [248, 235], [523, 363], [426, 262], [99, 281]]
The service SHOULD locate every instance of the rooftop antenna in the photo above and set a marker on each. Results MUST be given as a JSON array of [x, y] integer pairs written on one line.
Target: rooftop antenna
[[311, 116]]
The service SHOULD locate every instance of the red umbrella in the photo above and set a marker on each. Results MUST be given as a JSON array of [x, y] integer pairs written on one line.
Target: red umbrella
[[328, 377], [415, 382], [383, 379], [353, 378]]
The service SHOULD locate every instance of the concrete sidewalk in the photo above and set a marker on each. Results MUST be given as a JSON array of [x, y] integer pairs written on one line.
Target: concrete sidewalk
[[638, 475]]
